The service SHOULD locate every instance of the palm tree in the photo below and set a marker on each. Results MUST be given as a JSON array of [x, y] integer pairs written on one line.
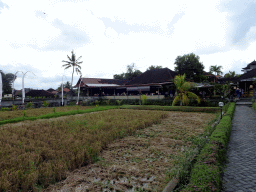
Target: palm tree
[[183, 93], [217, 70], [73, 62]]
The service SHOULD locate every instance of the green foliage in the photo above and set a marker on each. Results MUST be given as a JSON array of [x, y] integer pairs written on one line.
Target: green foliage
[[75, 63], [183, 94], [254, 105], [130, 74], [29, 105], [45, 103], [14, 107], [118, 102], [143, 99], [153, 67], [65, 85], [191, 66], [216, 69], [54, 110], [7, 80], [5, 109], [57, 114], [24, 113], [231, 74], [97, 103], [207, 171]]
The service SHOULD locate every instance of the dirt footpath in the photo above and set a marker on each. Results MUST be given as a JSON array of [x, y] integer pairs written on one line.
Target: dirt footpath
[[139, 162]]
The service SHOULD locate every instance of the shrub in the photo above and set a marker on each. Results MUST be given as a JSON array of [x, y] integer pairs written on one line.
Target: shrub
[[254, 105], [143, 99], [14, 107], [5, 109], [29, 105], [45, 103], [118, 102]]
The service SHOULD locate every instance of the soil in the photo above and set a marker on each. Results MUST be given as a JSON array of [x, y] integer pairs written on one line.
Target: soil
[[139, 162]]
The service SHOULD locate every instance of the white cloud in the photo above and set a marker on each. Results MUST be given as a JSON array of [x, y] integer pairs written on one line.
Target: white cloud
[[109, 35]]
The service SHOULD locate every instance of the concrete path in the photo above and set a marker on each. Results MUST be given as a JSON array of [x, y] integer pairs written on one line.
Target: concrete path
[[240, 173]]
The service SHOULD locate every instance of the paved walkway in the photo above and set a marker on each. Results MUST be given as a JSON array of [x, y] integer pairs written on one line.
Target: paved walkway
[[240, 173]]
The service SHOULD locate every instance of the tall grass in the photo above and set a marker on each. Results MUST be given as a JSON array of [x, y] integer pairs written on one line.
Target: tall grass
[[36, 154]]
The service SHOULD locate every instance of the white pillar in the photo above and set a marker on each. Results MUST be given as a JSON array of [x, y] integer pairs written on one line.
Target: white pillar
[[1, 88]]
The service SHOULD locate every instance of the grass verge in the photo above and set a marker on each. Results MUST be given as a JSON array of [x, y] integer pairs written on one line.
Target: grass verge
[[56, 114], [172, 108], [37, 153], [254, 105], [4, 115], [207, 167]]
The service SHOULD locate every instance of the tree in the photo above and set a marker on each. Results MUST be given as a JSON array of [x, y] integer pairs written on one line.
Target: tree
[[73, 62], [183, 93], [217, 70], [191, 66], [7, 80], [153, 67], [231, 74], [130, 74], [65, 85]]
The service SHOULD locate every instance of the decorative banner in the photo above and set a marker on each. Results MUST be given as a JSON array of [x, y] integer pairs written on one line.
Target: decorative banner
[[1, 88]]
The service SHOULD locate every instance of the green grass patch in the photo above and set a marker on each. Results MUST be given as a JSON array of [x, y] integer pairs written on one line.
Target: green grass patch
[[55, 114], [254, 105], [172, 108]]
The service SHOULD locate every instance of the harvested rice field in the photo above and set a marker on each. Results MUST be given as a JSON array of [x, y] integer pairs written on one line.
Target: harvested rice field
[[35, 154], [139, 162]]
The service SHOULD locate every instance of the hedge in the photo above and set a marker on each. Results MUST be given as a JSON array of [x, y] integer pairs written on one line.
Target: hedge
[[254, 105], [206, 173], [172, 108]]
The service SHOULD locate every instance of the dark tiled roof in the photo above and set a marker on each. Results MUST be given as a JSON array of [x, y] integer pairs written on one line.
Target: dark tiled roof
[[39, 93], [248, 66], [232, 79], [50, 90], [154, 76], [249, 74]]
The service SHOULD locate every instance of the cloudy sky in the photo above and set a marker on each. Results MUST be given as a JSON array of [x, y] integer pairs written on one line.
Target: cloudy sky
[[37, 35]]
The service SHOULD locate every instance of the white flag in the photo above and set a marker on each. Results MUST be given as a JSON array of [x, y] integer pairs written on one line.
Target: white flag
[[1, 88]]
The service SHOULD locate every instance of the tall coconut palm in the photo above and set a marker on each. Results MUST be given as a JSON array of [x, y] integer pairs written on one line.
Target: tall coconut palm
[[183, 93], [217, 70], [73, 62]]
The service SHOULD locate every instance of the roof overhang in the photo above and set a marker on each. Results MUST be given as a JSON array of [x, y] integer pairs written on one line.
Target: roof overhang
[[249, 79]]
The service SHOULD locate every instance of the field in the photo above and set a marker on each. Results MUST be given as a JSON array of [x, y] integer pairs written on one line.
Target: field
[[142, 161], [34, 154], [4, 115]]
